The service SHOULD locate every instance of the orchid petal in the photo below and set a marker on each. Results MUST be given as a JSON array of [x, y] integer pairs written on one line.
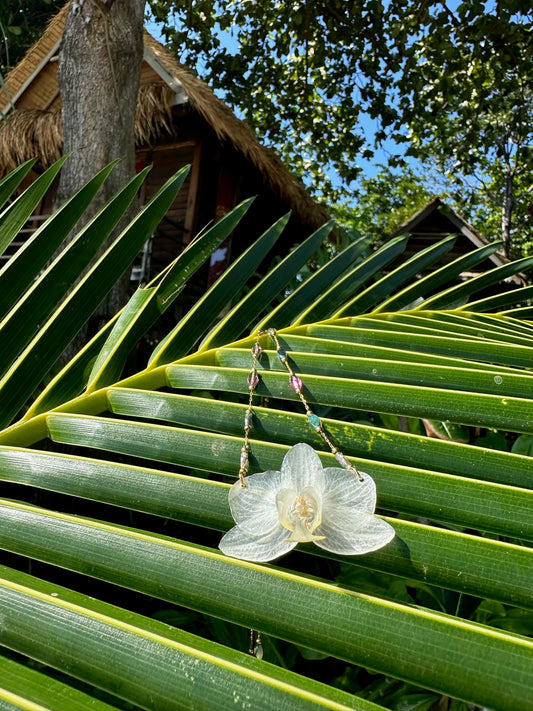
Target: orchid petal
[[350, 532], [254, 506], [301, 468], [343, 488], [259, 549], [304, 502]]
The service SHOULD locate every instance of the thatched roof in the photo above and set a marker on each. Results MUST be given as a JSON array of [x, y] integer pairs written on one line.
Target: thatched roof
[[35, 133], [34, 128]]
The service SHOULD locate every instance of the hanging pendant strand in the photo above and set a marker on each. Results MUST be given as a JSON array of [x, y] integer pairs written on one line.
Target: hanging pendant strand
[[256, 647], [296, 384], [253, 379]]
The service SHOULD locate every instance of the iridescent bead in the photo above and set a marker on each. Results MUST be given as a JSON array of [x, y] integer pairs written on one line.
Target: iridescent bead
[[256, 350], [282, 355], [244, 460], [258, 651], [314, 421], [253, 379], [295, 383], [248, 420], [339, 456]]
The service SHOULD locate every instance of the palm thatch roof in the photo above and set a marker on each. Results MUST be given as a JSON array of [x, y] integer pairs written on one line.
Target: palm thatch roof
[[32, 124], [37, 133]]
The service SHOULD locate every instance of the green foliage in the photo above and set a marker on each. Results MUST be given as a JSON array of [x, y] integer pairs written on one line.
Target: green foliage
[[288, 67], [113, 594], [452, 85], [21, 24], [481, 209], [470, 102], [385, 201]]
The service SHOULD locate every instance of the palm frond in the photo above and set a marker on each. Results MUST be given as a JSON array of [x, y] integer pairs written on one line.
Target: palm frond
[[122, 482]]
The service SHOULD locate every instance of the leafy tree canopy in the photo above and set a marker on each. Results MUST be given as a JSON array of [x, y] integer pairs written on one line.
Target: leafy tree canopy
[[322, 63], [386, 200], [382, 202], [465, 92], [448, 80]]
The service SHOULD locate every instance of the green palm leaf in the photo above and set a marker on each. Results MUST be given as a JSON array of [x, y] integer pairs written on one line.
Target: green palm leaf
[[15, 215], [374, 294], [11, 181], [514, 297], [343, 289], [28, 262], [255, 302], [147, 304], [425, 285], [124, 483]]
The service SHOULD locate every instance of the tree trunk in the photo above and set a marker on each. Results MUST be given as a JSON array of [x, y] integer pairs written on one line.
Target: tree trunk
[[507, 212], [99, 76]]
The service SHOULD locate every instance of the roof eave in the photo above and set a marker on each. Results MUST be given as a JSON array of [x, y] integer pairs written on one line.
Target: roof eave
[[159, 68]]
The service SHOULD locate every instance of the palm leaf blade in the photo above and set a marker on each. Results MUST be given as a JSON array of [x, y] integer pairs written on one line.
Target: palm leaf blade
[[10, 182], [435, 279], [471, 350], [481, 505], [140, 660], [496, 570], [16, 214], [461, 292], [243, 314], [31, 258], [344, 288], [50, 342], [357, 439], [43, 296], [350, 626], [373, 294], [311, 289], [468, 408], [181, 339], [27, 689], [147, 304]]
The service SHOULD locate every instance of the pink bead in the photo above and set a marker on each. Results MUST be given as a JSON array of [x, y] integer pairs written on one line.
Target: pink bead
[[295, 382]]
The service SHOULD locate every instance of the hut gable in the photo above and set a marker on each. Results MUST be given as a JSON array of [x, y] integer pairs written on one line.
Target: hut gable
[[434, 222], [179, 120]]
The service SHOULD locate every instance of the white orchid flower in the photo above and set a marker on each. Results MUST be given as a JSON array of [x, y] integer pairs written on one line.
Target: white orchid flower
[[304, 502]]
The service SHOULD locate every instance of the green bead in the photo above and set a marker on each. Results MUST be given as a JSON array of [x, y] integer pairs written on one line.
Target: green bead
[[314, 421]]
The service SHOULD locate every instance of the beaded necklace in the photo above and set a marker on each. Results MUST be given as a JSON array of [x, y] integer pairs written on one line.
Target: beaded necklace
[[296, 384], [302, 503]]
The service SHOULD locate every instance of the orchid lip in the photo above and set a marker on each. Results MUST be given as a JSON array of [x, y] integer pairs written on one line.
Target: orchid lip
[[300, 513]]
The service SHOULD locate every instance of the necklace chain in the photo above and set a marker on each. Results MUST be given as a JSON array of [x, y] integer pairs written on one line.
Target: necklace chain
[[296, 384]]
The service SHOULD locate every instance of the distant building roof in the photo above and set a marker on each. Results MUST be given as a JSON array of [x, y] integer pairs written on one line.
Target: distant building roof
[[437, 220]]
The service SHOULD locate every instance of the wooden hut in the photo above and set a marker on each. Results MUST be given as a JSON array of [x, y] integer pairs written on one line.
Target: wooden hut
[[434, 222], [437, 220], [179, 121]]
